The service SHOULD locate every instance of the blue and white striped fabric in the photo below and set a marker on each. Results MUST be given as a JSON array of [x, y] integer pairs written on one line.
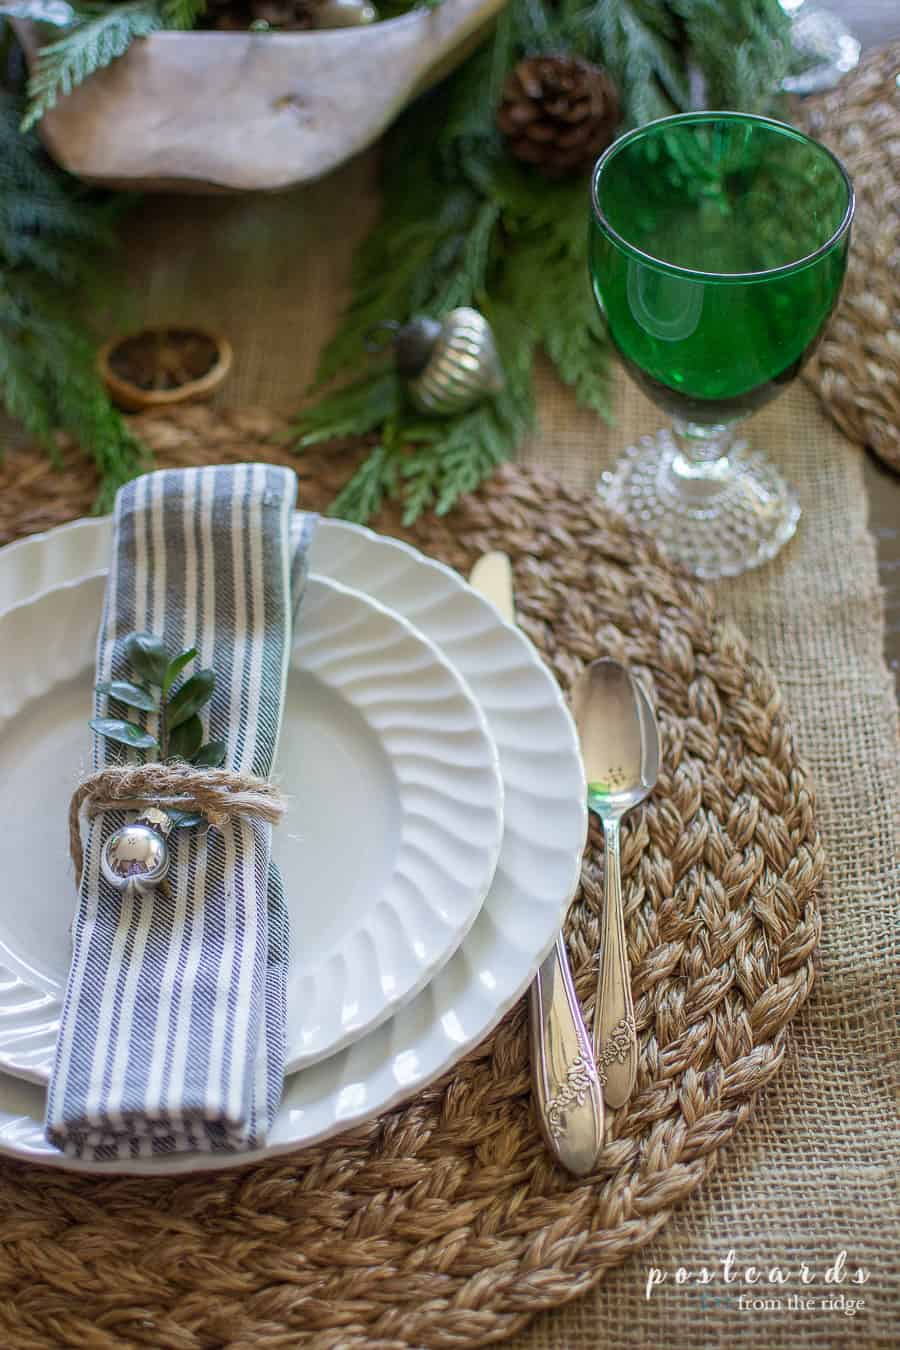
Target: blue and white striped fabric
[[173, 1024]]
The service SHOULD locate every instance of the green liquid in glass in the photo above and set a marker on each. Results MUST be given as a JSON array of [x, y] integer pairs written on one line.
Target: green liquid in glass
[[736, 200]]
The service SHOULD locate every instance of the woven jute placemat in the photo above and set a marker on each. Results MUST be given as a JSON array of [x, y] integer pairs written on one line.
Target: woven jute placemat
[[444, 1224], [856, 370]]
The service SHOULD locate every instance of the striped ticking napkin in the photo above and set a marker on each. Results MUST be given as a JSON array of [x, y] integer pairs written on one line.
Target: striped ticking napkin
[[173, 1024]]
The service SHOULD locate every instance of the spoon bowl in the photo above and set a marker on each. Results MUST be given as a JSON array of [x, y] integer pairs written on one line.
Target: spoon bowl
[[619, 739]]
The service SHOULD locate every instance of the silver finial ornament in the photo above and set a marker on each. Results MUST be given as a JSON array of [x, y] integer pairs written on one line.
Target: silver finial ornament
[[135, 857], [452, 364]]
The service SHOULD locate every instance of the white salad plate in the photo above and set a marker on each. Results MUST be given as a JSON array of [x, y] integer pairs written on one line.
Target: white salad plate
[[545, 821], [379, 737]]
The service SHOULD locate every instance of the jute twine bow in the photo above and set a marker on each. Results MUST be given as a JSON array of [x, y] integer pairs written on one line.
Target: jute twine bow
[[218, 794]]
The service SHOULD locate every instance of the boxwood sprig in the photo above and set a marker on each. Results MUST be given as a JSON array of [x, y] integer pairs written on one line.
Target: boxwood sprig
[[155, 689]]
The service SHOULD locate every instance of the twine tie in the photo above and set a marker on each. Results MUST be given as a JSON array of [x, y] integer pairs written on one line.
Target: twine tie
[[220, 795]]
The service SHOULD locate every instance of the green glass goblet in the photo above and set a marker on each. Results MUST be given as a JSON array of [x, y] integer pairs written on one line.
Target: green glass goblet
[[718, 247]]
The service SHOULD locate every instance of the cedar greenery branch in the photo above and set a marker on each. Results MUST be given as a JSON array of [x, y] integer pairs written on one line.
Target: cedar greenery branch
[[98, 34], [463, 224], [55, 237]]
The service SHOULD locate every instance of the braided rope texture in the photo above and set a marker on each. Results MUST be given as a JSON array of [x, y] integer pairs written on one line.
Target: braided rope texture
[[444, 1224], [856, 370], [218, 794]]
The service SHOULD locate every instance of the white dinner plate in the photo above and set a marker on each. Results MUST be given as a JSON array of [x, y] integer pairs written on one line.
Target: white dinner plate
[[545, 820], [381, 742]]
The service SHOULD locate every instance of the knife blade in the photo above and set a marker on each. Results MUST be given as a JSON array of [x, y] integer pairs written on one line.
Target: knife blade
[[567, 1090], [491, 577]]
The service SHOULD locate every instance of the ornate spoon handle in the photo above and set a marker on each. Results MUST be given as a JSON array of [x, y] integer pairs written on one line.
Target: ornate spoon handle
[[615, 1038], [567, 1090]]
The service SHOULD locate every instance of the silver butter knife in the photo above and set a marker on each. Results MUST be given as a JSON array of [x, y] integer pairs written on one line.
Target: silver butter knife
[[567, 1089]]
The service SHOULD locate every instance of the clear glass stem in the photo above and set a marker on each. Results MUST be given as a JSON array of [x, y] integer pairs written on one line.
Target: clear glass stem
[[700, 468]]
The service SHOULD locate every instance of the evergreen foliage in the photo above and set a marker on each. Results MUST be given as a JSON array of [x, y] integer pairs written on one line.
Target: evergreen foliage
[[462, 224], [53, 237], [100, 32]]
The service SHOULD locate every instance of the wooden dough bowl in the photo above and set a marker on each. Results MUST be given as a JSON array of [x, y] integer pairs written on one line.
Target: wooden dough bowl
[[210, 111]]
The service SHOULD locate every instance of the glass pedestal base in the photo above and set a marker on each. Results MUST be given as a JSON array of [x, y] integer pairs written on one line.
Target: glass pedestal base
[[718, 518]]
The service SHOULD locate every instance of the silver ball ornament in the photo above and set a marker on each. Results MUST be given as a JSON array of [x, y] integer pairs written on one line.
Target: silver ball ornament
[[136, 857]]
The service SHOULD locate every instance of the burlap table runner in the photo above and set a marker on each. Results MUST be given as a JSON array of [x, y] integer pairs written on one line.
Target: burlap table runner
[[816, 1169]]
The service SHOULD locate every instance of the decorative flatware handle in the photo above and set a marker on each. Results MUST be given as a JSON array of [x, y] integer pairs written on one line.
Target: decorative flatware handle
[[567, 1091], [615, 1036]]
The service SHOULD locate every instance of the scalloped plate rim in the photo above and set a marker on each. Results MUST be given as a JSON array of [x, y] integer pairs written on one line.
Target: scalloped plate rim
[[340, 1083], [427, 963]]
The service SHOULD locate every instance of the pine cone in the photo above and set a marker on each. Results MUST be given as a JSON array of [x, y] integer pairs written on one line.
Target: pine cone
[[558, 112]]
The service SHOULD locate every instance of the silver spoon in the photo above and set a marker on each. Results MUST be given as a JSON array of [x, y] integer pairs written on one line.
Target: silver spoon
[[620, 748]]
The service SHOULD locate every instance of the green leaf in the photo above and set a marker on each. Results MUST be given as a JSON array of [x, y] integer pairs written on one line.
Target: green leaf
[[361, 497], [186, 739], [181, 13], [147, 656], [130, 694], [56, 12], [193, 695], [350, 411], [175, 667], [211, 756], [126, 733], [186, 820]]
